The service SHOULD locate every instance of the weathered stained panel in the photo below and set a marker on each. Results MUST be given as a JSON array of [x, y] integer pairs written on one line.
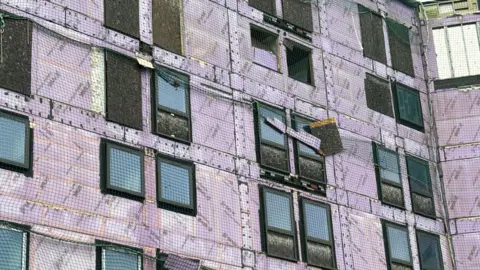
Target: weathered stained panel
[[371, 29], [267, 6], [298, 13], [168, 25], [122, 16], [400, 50], [378, 95]]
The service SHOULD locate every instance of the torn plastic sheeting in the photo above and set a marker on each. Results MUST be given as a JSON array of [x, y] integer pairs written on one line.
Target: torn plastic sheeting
[[304, 137]]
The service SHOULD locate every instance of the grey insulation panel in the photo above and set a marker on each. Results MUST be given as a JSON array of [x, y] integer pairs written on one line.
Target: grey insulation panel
[[298, 13], [377, 92], [167, 25], [16, 58], [122, 16], [124, 90]]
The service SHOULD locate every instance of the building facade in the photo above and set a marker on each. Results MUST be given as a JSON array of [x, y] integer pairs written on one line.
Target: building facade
[[135, 134]]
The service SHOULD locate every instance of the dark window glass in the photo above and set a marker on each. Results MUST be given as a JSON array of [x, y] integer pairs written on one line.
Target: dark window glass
[[122, 16], [400, 50], [272, 143], [430, 251], [173, 105], [373, 39], [279, 226], [387, 169], [13, 251], [378, 95], [123, 172], [176, 185], [397, 246], [420, 186], [408, 107], [116, 257], [299, 63], [317, 234], [14, 140]]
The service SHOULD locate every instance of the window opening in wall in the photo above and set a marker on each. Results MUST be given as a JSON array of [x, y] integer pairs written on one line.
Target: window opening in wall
[[279, 233], [430, 251], [317, 237], [116, 257], [14, 243], [15, 142], [176, 189], [172, 105], [397, 246], [264, 48], [122, 170], [420, 186], [299, 62], [387, 169], [408, 107]]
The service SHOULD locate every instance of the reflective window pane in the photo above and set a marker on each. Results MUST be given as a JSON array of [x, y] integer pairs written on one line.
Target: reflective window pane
[[172, 90], [12, 140], [429, 247], [388, 163], [11, 249], [409, 106], [316, 221], [398, 243], [303, 125], [117, 260], [175, 183], [269, 133], [278, 211], [125, 170], [419, 175]]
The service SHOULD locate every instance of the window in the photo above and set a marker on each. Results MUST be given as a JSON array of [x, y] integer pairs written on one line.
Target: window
[[430, 251], [171, 262], [299, 62], [15, 142], [172, 105], [16, 62], [116, 257], [397, 246], [420, 186], [318, 244], [122, 16], [167, 25], [176, 185], [457, 48], [387, 169], [122, 170], [309, 164], [278, 224], [400, 50], [408, 108], [14, 240], [373, 39], [124, 90], [264, 48], [272, 147], [298, 13], [377, 93]]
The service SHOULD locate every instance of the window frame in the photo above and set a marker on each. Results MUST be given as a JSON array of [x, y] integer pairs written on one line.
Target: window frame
[[421, 193], [259, 141], [439, 247], [305, 238], [256, 28], [27, 165], [375, 147], [25, 230], [265, 228], [106, 187], [297, 153], [390, 260], [159, 108], [101, 245], [399, 119], [172, 205]]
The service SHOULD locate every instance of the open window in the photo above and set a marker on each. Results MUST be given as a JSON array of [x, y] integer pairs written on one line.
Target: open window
[[378, 95], [400, 49], [430, 251], [167, 25], [299, 62], [279, 233], [122, 170], [373, 39], [408, 107], [111, 256], [397, 246], [14, 243], [265, 49], [122, 16], [172, 105], [317, 237], [387, 170], [15, 142], [420, 186], [176, 185]]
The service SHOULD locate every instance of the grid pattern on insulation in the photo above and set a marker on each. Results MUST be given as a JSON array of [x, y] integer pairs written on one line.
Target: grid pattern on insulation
[[278, 211], [175, 183], [125, 170], [12, 140]]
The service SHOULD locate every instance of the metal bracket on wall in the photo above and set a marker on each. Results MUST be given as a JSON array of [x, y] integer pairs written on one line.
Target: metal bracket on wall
[[287, 26]]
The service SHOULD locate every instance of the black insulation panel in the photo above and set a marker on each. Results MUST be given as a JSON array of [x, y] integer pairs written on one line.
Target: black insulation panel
[[16, 56], [373, 39], [298, 13], [167, 25], [267, 6], [400, 50], [124, 91], [377, 92], [122, 16]]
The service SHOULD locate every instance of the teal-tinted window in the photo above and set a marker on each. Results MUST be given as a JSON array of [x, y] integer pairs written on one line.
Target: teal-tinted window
[[14, 140], [13, 249], [430, 251], [408, 107], [115, 257], [389, 181], [397, 246], [317, 234], [420, 186], [176, 184]]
